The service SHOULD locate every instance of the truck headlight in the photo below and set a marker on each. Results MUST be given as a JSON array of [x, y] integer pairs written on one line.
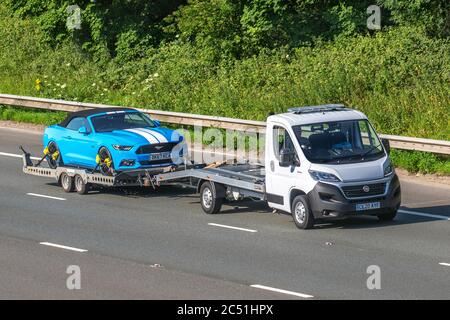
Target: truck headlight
[[122, 148], [388, 169], [323, 176]]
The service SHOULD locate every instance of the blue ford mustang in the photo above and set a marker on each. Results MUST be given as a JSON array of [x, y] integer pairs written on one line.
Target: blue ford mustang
[[112, 140]]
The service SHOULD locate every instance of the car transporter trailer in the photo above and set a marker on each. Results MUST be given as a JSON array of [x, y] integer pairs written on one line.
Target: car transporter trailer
[[213, 182]]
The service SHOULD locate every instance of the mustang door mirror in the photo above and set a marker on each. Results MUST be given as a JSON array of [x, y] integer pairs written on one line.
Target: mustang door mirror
[[83, 130], [286, 157], [157, 123]]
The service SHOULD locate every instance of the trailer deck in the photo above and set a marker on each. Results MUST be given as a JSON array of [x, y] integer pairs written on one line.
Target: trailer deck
[[244, 179]]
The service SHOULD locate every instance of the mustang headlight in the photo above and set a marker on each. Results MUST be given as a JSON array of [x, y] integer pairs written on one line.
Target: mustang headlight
[[388, 168], [323, 176], [122, 148]]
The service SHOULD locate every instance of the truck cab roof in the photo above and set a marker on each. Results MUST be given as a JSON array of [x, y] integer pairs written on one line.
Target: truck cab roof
[[316, 114]]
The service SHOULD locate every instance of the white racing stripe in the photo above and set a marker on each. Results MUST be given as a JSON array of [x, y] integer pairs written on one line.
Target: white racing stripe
[[231, 227], [157, 135], [62, 247], [150, 138], [44, 196], [421, 214], [292, 293]]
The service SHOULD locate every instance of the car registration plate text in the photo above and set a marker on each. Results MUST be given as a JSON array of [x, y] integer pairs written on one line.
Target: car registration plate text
[[367, 206], [160, 156]]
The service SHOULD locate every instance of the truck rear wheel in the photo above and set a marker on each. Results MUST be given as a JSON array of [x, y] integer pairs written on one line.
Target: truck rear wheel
[[80, 186], [301, 213], [211, 204], [66, 182], [388, 216]]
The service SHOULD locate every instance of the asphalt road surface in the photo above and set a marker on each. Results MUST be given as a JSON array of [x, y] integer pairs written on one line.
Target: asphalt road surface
[[158, 244]]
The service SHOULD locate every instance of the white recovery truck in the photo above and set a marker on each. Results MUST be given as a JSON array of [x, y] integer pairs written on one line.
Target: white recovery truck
[[323, 162]]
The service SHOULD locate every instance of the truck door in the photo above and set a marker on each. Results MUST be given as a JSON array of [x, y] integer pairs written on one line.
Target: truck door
[[279, 180]]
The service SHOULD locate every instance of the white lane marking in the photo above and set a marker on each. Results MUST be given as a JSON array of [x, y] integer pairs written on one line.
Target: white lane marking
[[157, 135], [231, 227], [15, 155], [62, 247], [428, 215], [292, 293], [146, 136], [44, 196], [444, 264]]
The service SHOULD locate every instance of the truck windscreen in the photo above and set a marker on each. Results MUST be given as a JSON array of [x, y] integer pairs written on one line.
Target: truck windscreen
[[342, 141]]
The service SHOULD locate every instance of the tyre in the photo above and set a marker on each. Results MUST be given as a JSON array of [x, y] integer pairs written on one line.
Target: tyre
[[210, 203], [105, 162], [66, 182], [388, 216], [54, 158], [301, 213], [80, 186]]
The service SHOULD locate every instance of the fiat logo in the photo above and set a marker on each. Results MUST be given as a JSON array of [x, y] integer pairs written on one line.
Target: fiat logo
[[366, 189]]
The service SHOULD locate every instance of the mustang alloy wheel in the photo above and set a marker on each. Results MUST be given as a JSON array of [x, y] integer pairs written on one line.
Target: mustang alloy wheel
[[53, 155], [105, 162]]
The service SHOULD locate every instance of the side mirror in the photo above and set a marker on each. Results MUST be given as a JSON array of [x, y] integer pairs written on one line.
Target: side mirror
[[387, 145], [286, 157], [157, 123], [83, 130]]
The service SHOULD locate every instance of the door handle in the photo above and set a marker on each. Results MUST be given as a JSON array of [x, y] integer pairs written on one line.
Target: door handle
[[67, 137]]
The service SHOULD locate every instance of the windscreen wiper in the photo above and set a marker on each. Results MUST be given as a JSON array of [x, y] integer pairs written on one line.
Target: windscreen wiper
[[369, 151]]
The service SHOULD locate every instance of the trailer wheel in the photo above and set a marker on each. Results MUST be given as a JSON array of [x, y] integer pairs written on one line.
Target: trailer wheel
[[211, 204], [80, 186], [301, 213], [66, 182]]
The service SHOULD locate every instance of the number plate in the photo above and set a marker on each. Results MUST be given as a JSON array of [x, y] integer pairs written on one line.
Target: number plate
[[160, 156], [367, 206]]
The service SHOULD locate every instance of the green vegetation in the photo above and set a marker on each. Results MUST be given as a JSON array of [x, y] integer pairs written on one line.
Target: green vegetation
[[240, 59], [422, 162], [31, 116]]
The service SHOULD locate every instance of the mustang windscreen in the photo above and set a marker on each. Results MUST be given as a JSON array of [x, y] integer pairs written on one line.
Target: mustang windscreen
[[335, 141], [121, 121]]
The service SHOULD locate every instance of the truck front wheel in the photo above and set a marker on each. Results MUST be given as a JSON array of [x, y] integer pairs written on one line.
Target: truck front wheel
[[211, 204], [388, 216], [301, 213]]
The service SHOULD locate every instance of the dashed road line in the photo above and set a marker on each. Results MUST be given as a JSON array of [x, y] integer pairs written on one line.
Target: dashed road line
[[231, 227], [444, 264], [44, 196], [62, 247], [292, 293], [13, 155]]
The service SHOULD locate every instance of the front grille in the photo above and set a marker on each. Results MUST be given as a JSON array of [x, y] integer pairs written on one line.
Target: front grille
[[157, 147], [375, 189]]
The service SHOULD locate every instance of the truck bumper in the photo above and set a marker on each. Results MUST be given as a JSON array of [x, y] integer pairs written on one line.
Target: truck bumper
[[328, 201]]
